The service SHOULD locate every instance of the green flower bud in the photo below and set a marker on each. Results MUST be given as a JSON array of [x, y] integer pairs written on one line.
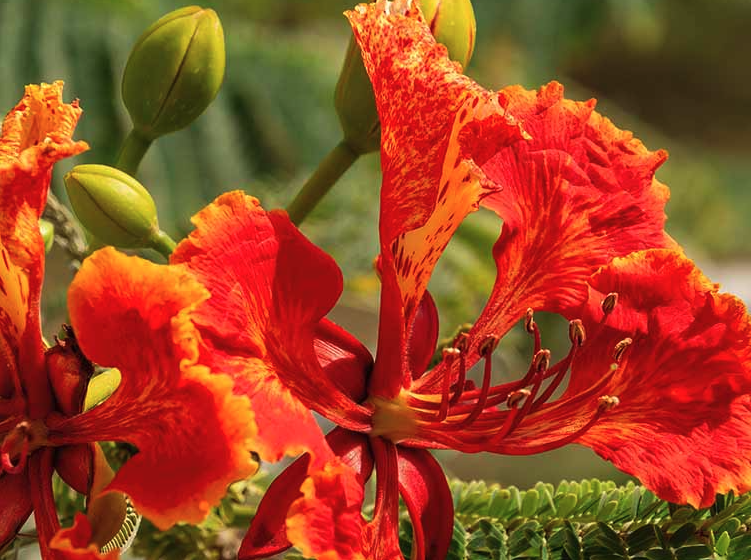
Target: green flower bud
[[101, 387], [47, 229], [355, 105], [112, 205], [174, 71], [452, 22]]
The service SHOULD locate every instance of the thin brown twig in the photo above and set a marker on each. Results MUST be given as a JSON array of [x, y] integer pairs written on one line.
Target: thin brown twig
[[68, 233]]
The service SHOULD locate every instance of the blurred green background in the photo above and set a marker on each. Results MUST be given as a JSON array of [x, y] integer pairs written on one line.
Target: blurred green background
[[674, 71]]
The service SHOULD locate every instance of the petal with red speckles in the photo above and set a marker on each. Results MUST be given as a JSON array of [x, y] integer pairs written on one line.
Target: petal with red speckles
[[138, 316], [270, 288], [578, 194], [430, 180]]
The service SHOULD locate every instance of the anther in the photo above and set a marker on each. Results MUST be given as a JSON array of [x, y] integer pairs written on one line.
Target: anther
[[541, 361], [516, 397], [576, 333], [461, 342], [607, 402], [620, 348], [609, 303], [488, 345], [450, 353], [529, 321]]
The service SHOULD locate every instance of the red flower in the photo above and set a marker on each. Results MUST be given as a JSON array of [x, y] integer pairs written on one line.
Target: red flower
[[659, 360], [126, 313]]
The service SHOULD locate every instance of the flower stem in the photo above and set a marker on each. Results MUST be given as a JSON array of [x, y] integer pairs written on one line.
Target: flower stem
[[163, 243], [329, 170], [133, 149]]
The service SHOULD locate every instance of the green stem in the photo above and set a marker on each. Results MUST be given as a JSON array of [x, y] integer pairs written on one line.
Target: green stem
[[133, 149], [243, 514], [163, 243], [329, 170]]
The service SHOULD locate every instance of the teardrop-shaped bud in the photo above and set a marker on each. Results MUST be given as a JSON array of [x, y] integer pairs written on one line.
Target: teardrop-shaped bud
[[452, 23], [174, 71], [112, 205]]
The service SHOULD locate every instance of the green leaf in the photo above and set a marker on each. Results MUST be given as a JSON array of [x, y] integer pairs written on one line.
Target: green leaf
[[722, 543]]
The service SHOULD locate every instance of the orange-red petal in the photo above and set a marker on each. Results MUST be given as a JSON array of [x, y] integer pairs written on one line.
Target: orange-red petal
[[326, 522], [683, 418], [270, 288], [74, 543], [683, 425], [193, 434], [427, 496], [35, 135], [430, 182], [40, 471], [267, 535], [578, 194]]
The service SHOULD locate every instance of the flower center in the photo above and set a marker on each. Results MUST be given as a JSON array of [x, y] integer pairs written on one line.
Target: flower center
[[393, 419]]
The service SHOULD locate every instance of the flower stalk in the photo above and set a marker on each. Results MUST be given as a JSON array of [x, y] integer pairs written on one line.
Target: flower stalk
[[133, 150], [331, 168]]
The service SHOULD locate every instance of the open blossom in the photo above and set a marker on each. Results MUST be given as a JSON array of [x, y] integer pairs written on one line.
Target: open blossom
[[128, 314], [658, 369]]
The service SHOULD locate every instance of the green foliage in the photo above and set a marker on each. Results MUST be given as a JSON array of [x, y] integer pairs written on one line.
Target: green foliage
[[588, 520], [594, 520]]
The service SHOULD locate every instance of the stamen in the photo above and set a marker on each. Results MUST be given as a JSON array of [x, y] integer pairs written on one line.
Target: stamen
[[541, 361], [605, 404], [462, 405], [620, 349], [461, 343], [488, 346], [529, 321], [576, 333], [512, 420], [609, 303], [486, 350], [449, 354], [531, 327], [515, 398]]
